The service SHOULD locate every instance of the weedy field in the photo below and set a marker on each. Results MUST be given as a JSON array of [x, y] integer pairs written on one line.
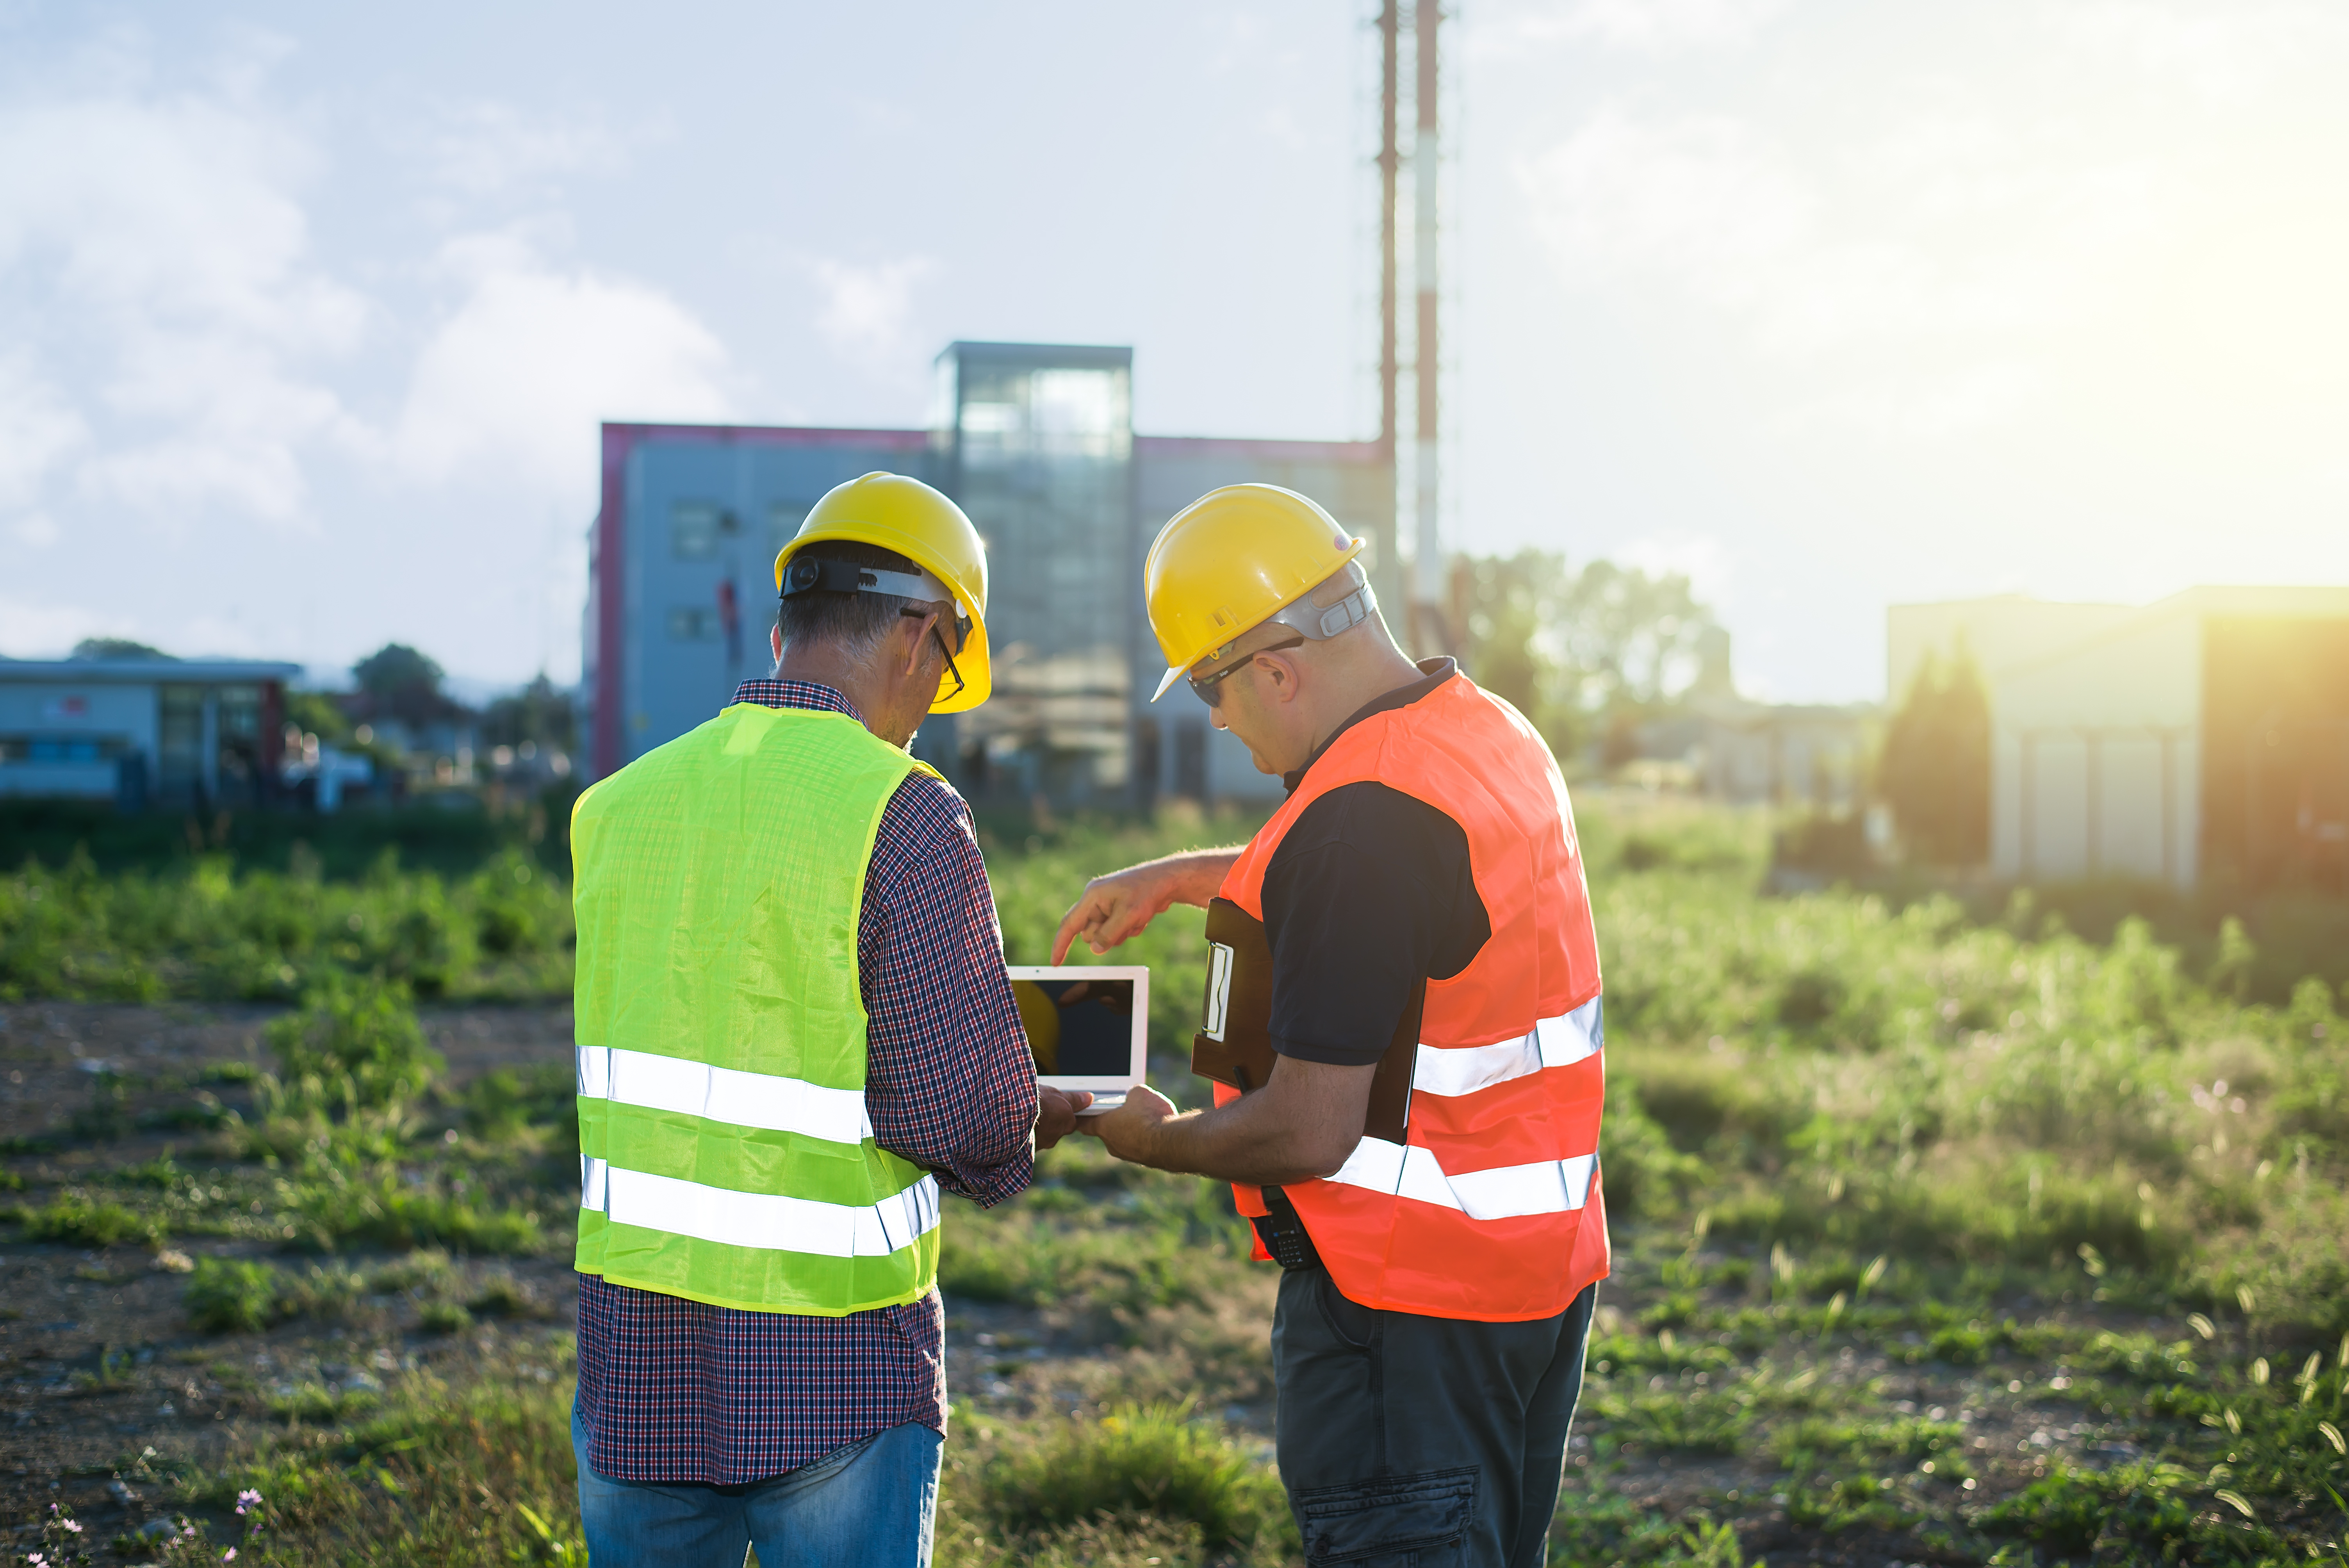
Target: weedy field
[[1939, 1239]]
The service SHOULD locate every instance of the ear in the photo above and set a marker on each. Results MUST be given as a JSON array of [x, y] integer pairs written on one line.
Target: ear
[[918, 649], [1281, 676], [775, 640]]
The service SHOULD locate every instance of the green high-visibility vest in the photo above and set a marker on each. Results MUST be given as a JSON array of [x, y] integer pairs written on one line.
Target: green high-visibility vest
[[725, 1152]]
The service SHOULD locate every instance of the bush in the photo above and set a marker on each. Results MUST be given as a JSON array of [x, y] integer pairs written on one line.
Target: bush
[[355, 1042], [84, 1223], [226, 1295], [202, 929], [2073, 1510], [504, 1101], [445, 1317], [1136, 1461], [337, 1206]]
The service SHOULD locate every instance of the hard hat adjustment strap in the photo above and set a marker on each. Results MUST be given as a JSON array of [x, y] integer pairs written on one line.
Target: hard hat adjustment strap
[[1309, 620], [813, 574]]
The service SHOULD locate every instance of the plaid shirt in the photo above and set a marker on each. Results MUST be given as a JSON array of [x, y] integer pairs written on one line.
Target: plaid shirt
[[675, 1390]]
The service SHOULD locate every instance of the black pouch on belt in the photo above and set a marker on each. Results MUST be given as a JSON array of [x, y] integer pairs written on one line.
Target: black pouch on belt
[[1283, 1233]]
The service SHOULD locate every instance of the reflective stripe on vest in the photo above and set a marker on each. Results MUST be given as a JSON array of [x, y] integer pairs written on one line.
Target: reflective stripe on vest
[[726, 1154], [723, 1094], [763, 1219], [1502, 1192], [1492, 1208], [1551, 1043]]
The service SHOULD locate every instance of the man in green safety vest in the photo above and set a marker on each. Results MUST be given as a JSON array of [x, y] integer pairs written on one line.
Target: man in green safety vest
[[794, 1034]]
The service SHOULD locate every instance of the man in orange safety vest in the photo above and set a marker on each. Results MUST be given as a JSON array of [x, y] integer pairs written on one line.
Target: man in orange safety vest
[[1403, 1020]]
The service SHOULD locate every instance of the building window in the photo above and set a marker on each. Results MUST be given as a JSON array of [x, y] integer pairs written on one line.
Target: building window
[[62, 747], [692, 625], [697, 527]]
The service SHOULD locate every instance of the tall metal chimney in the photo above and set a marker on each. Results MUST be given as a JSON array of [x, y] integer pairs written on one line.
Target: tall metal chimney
[[1428, 631], [1389, 163]]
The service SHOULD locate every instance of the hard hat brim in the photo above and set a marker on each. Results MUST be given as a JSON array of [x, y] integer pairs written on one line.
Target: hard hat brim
[[978, 673], [1166, 682]]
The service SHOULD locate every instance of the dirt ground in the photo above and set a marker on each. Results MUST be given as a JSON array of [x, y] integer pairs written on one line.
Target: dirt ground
[[105, 1384]]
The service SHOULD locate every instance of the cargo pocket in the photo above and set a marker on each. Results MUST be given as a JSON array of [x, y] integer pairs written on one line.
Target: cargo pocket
[[1396, 1521]]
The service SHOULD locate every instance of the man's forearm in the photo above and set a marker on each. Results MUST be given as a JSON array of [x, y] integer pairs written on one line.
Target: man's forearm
[[1226, 1143], [1196, 875], [1301, 1125]]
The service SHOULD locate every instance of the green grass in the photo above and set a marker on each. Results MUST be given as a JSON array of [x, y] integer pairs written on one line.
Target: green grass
[[1133, 1465], [2069, 1182], [211, 930]]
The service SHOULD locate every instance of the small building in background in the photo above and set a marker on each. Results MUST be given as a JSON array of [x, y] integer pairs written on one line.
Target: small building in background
[[1731, 747], [179, 733], [2203, 738], [1036, 443]]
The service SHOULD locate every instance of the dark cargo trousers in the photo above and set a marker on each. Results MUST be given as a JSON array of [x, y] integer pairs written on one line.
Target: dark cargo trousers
[[1422, 1442]]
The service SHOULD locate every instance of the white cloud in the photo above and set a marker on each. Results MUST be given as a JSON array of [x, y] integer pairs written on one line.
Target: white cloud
[[1653, 25], [38, 428], [158, 257], [516, 379], [2222, 50], [867, 314], [1925, 275], [44, 629], [38, 530], [489, 148], [1705, 201], [1703, 561]]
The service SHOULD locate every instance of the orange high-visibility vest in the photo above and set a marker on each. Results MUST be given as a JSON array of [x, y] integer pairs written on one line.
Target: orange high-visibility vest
[[1490, 1209]]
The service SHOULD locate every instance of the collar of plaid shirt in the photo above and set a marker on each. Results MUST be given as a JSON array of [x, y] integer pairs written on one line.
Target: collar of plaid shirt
[[772, 692]]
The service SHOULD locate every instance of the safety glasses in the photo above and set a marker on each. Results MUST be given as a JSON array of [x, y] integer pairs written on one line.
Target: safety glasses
[[1210, 689], [961, 624]]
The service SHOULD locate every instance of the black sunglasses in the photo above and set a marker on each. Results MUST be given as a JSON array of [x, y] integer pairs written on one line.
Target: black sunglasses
[[1209, 689]]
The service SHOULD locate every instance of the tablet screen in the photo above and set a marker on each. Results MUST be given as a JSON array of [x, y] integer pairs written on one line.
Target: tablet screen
[[1078, 1028]]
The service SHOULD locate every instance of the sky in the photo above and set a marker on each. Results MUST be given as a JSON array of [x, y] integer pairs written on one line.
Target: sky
[[308, 314]]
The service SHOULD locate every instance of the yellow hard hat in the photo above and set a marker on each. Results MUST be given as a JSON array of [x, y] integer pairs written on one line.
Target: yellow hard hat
[[1236, 558], [924, 526]]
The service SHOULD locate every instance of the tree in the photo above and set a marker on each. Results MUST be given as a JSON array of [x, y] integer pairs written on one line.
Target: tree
[[1580, 654], [399, 682], [540, 712], [315, 712], [107, 648], [1935, 768]]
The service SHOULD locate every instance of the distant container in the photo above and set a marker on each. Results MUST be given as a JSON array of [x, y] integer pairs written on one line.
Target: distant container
[[177, 733], [1036, 443]]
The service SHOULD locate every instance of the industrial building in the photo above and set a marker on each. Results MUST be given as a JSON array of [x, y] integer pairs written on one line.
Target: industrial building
[[1036, 443], [202, 733], [2204, 737]]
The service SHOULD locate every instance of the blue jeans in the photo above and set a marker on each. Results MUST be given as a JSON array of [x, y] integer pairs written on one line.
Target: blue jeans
[[871, 1504]]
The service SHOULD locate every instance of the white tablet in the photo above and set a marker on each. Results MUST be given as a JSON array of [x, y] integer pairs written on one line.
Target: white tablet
[[1088, 1026]]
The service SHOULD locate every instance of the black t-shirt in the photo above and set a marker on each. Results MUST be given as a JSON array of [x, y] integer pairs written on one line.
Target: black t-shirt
[[1368, 893]]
